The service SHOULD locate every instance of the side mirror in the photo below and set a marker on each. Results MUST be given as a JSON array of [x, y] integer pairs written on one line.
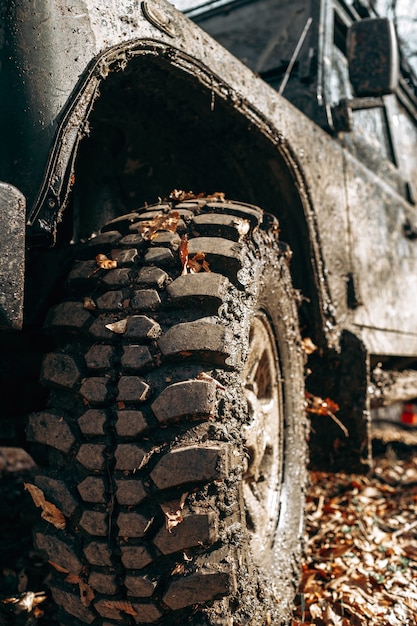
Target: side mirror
[[372, 52]]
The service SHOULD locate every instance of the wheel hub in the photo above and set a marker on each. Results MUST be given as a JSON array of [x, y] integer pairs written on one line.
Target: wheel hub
[[264, 443]]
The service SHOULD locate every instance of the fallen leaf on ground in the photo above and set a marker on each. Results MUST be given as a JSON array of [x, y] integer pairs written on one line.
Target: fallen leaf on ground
[[25, 602], [360, 568]]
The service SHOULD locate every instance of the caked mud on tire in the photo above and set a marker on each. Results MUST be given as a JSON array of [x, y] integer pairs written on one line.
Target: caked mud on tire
[[173, 444]]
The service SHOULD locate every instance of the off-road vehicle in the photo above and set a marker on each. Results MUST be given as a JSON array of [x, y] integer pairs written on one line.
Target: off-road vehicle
[[208, 264]]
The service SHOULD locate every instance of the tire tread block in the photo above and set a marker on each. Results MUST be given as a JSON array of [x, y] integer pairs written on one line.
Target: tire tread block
[[60, 370], [95, 390], [72, 605], [92, 422], [57, 492], [199, 287], [194, 530], [189, 398], [132, 389], [95, 523], [190, 464], [99, 357], [133, 524], [129, 457], [196, 589], [58, 551], [204, 338], [245, 211], [141, 586], [98, 553], [69, 316], [135, 557], [50, 429], [103, 583], [93, 489], [130, 492], [222, 255], [91, 456], [218, 225]]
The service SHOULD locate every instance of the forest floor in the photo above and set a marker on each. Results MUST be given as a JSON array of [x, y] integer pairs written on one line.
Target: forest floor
[[360, 565], [361, 557]]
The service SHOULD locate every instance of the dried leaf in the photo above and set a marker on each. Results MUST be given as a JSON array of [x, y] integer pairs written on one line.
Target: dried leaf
[[316, 611], [25, 602], [183, 253], [198, 263], [50, 512], [217, 195], [86, 592], [149, 228], [122, 605], [242, 226], [118, 327], [173, 512], [89, 304], [39, 597], [38, 613], [194, 265], [179, 195], [205, 376], [73, 579], [357, 573], [308, 346], [326, 407], [146, 457], [105, 263], [58, 567], [317, 405]]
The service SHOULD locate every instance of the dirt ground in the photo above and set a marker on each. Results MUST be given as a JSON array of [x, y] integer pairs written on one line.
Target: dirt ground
[[360, 565]]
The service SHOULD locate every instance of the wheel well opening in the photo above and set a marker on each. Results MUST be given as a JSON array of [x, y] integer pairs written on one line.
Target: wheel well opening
[[156, 128]]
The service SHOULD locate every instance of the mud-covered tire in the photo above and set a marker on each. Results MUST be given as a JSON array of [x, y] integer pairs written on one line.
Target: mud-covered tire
[[174, 442]]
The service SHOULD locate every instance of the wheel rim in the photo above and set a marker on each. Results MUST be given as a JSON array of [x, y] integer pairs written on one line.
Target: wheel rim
[[264, 440]]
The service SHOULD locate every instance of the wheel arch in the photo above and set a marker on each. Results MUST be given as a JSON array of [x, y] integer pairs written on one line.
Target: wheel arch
[[158, 119], [147, 118]]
